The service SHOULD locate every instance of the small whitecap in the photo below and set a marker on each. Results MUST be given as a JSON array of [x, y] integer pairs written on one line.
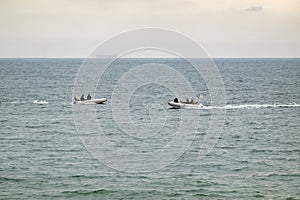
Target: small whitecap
[[40, 102]]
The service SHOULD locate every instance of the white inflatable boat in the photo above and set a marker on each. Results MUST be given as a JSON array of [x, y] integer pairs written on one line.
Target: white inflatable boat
[[92, 101], [185, 105]]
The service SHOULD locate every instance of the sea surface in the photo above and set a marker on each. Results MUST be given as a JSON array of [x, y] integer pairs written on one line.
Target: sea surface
[[43, 156]]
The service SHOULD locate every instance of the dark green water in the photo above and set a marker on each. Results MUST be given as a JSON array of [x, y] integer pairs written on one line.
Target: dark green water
[[256, 156]]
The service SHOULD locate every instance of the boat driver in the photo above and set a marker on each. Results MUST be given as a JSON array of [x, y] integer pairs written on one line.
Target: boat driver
[[176, 100]]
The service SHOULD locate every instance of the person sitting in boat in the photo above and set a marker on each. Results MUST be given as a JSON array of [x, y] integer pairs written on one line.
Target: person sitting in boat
[[82, 98], [176, 100], [76, 98], [88, 97], [187, 100], [192, 101]]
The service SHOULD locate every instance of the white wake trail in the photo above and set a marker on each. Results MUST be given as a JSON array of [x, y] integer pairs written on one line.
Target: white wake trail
[[253, 106]]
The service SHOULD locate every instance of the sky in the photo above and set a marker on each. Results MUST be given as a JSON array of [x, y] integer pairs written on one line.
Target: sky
[[224, 28]]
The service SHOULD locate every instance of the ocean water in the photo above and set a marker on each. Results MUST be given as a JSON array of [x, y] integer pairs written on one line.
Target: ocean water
[[43, 156]]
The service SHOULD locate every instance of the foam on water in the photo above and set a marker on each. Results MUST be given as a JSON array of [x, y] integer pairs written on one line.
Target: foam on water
[[40, 102], [253, 106]]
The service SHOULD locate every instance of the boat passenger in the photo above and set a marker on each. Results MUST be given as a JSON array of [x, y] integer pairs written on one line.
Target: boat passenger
[[88, 97], [192, 101], [82, 98], [187, 100], [76, 98], [176, 100]]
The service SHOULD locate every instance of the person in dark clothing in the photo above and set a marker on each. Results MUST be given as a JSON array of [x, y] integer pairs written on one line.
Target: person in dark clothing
[[176, 100], [82, 98], [88, 97]]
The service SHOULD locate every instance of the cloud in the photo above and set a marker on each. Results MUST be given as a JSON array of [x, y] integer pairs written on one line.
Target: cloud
[[254, 9]]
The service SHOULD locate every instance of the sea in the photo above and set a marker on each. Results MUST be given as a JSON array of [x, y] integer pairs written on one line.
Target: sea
[[138, 146]]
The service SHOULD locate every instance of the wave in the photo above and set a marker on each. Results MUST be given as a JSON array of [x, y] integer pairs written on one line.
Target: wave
[[40, 102], [253, 106], [3, 179], [14, 102], [86, 192]]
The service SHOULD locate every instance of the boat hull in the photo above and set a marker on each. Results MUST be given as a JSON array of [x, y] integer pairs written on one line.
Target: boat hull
[[180, 105], [92, 101]]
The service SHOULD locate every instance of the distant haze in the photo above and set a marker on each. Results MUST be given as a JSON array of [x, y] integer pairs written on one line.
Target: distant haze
[[73, 28]]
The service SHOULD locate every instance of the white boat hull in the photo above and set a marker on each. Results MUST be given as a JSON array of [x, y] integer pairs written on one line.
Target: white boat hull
[[185, 105], [92, 101]]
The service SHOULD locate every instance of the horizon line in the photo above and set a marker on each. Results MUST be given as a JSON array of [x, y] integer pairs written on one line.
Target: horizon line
[[213, 57]]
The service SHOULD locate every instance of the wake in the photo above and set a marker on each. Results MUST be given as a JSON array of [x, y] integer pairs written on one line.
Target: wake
[[253, 106]]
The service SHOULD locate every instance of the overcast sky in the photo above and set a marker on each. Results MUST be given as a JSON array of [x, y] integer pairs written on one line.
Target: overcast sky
[[225, 28]]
